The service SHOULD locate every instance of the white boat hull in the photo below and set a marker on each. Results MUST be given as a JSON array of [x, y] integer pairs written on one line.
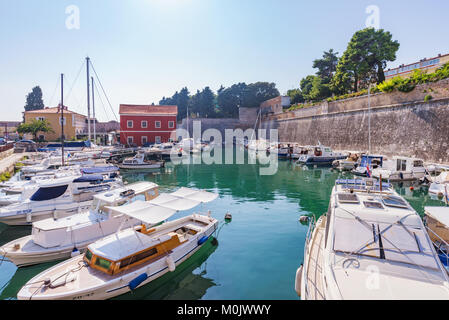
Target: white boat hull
[[24, 219], [120, 285]]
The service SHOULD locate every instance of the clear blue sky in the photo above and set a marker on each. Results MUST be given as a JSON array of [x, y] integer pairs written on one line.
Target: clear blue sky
[[146, 49]]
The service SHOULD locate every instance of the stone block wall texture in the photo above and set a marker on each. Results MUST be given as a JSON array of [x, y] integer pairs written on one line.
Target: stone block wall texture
[[248, 115], [408, 129]]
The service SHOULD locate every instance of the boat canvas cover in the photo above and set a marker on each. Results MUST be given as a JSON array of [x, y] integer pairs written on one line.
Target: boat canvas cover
[[197, 195], [441, 214], [88, 178], [165, 205], [145, 211], [124, 244]]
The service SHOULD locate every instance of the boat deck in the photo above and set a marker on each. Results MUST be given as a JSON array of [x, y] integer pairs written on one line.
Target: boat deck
[[315, 286]]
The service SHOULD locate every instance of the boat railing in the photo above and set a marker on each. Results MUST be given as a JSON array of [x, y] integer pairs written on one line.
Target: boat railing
[[441, 246], [363, 184], [311, 228]]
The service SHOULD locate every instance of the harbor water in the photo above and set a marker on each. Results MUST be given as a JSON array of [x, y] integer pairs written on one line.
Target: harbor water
[[258, 252]]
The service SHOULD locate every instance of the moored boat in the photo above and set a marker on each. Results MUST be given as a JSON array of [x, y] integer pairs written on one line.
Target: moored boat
[[56, 239], [57, 198], [400, 169], [132, 257], [319, 155], [139, 162], [370, 245]]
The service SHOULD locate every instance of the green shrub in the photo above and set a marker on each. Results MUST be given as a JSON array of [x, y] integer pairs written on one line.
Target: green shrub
[[428, 98]]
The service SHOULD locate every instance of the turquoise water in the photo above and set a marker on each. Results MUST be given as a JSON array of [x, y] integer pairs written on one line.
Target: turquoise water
[[257, 253]]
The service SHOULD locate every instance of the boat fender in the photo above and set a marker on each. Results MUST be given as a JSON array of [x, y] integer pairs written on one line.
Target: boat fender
[[298, 280], [28, 217], [401, 175], [214, 241], [75, 252], [134, 283], [170, 263], [202, 240]]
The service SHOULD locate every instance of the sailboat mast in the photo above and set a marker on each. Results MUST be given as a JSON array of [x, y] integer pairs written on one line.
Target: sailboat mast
[[88, 98], [62, 117], [369, 118], [93, 110]]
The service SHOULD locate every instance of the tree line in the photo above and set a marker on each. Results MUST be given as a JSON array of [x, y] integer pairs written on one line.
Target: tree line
[[362, 63], [223, 104]]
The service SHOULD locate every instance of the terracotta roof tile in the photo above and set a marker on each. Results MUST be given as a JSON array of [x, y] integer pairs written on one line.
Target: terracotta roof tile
[[52, 110], [142, 109]]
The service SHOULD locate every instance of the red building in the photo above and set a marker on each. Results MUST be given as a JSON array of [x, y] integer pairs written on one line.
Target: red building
[[146, 124]]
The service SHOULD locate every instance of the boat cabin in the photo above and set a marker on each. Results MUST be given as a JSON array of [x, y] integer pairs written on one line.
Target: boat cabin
[[407, 164], [51, 232], [134, 246], [129, 249]]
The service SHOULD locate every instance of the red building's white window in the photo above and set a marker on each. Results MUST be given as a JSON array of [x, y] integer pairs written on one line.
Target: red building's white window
[[144, 139], [157, 139], [157, 124], [130, 140], [130, 123], [171, 124], [144, 124]]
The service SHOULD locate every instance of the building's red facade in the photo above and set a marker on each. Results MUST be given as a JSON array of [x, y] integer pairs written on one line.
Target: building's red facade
[[140, 124]]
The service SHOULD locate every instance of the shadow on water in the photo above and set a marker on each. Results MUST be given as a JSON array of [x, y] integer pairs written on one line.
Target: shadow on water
[[10, 233], [183, 283]]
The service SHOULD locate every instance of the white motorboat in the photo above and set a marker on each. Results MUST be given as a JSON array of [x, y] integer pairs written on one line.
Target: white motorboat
[[17, 187], [348, 164], [56, 239], [130, 258], [138, 162], [400, 169], [440, 185], [319, 155], [370, 245], [57, 198]]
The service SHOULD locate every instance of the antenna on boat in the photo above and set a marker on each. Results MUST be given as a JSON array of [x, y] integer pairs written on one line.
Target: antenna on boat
[[93, 110], [62, 118]]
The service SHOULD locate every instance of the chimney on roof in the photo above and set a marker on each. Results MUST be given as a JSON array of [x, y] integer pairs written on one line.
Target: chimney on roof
[[439, 55]]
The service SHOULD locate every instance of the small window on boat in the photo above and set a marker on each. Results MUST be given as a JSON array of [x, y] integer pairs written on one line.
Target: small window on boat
[[103, 263], [138, 257], [418, 163], [48, 193], [373, 204], [401, 165], [348, 198], [392, 201], [88, 255]]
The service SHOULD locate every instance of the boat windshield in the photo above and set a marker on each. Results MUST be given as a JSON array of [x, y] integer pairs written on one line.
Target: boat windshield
[[48, 193]]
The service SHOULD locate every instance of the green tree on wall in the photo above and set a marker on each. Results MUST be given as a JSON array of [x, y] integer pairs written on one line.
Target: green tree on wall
[[364, 60]]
